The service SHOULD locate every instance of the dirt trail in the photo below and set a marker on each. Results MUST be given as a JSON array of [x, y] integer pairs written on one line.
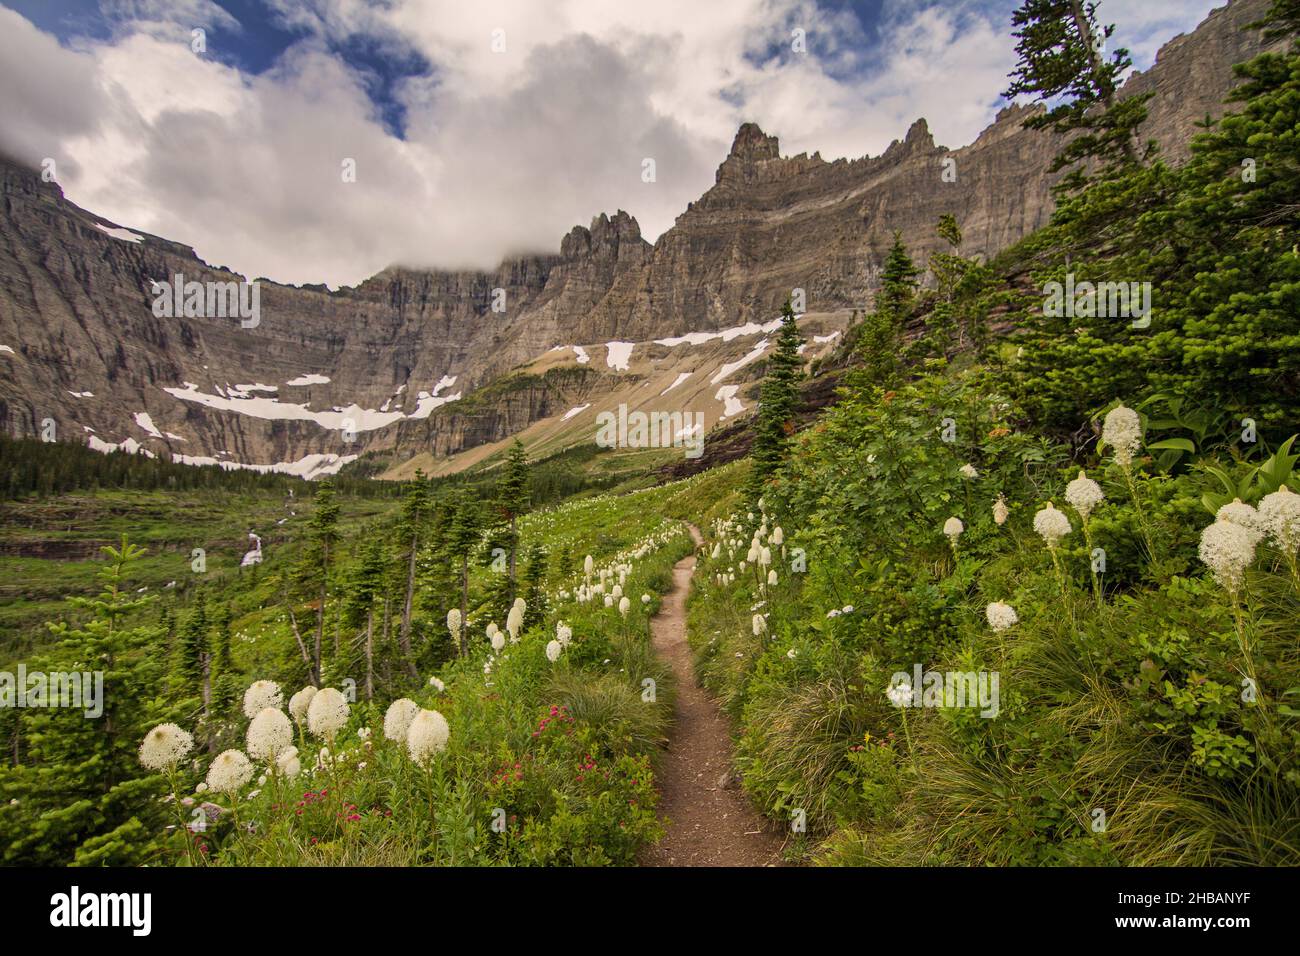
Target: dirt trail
[[710, 823]]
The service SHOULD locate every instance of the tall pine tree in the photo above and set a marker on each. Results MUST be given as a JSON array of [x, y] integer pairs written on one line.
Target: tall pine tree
[[778, 400]]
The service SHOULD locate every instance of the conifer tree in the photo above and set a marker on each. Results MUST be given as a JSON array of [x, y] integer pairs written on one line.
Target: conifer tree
[[514, 496], [80, 795], [366, 589], [325, 533], [463, 536], [880, 341], [1063, 63], [415, 512], [778, 399]]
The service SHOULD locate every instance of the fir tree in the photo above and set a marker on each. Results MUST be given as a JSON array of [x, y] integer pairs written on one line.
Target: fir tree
[[415, 512], [778, 399], [325, 533], [80, 795], [1063, 63], [513, 499]]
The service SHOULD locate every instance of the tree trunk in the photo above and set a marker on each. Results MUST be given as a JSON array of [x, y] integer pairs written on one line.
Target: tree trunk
[[464, 604], [370, 654], [404, 635], [320, 612], [514, 551]]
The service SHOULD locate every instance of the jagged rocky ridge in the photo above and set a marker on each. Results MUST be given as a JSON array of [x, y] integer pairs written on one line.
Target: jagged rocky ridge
[[76, 293]]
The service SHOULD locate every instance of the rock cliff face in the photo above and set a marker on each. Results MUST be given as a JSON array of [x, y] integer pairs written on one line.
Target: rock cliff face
[[422, 361]]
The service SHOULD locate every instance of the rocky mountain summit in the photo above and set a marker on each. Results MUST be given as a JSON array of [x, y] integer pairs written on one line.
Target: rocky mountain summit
[[437, 362]]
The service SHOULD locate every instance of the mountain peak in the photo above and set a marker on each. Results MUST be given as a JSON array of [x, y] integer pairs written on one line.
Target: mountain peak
[[752, 144]]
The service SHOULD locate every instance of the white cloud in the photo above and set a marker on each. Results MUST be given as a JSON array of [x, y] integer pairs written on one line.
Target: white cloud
[[503, 152]]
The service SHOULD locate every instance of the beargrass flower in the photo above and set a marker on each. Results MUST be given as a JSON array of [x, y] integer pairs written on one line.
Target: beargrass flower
[[1238, 512], [1279, 516], [1052, 525], [1122, 431], [327, 713], [427, 736], [269, 733], [261, 695], [1000, 511], [1001, 616], [1084, 494], [229, 772], [299, 703], [398, 717], [164, 747], [1228, 549]]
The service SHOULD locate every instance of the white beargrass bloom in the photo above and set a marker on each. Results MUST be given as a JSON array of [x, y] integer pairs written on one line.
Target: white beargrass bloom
[[269, 733], [1084, 494], [261, 695], [1228, 549], [759, 624], [778, 536], [164, 747], [900, 694], [1052, 525], [299, 703], [1238, 512], [327, 713], [229, 772], [1122, 431], [953, 529], [288, 762], [624, 605], [1001, 616], [398, 717], [453, 623], [437, 684], [553, 649], [515, 620], [427, 736], [968, 472], [1000, 511], [1279, 515]]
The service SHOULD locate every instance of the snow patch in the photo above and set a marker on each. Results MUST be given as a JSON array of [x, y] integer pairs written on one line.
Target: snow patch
[[726, 335], [680, 378], [144, 421], [128, 445], [312, 466], [755, 354], [426, 402], [126, 235], [619, 354], [731, 404]]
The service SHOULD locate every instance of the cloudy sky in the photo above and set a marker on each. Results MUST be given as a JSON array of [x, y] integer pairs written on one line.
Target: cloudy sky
[[478, 128]]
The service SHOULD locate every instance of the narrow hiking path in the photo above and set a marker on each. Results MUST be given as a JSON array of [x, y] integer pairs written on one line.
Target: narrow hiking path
[[710, 823]]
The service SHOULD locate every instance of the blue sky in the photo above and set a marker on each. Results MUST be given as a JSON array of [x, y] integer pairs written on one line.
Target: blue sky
[[477, 130]]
